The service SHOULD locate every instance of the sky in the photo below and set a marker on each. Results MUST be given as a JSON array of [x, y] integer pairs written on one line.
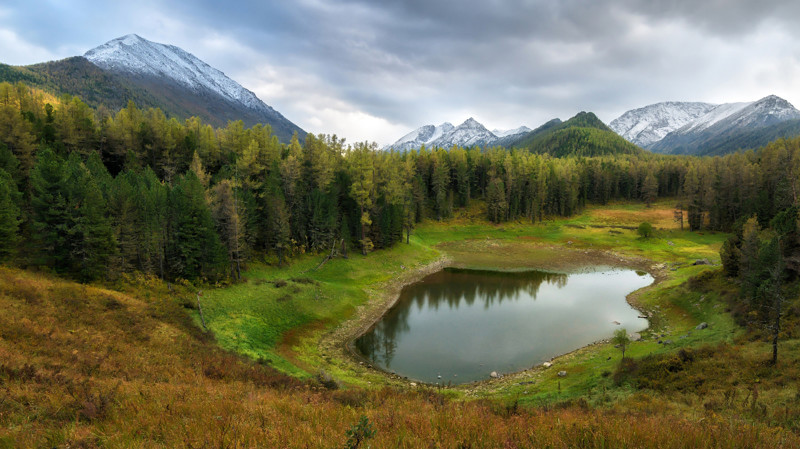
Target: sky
[[376, 69]]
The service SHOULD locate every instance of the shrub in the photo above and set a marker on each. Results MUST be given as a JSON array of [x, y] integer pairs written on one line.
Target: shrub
[[358, 433], [645, 230]]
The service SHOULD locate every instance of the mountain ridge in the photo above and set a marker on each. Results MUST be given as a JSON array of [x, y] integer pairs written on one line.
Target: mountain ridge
[[707, 129], [469, 133], [153, 75]]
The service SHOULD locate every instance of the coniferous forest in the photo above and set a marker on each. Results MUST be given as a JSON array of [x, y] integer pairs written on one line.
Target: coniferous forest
[[95, 193]]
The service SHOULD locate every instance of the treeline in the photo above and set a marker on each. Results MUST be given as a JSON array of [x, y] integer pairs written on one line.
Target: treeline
[[91, 193]]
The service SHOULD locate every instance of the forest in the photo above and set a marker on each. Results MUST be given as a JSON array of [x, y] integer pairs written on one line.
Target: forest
[[92, 193]]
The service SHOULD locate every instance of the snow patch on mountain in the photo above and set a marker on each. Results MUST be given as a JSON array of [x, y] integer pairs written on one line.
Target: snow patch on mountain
[[647, 125], [713, 117], [468, 134], [138, 56], [511, 132]]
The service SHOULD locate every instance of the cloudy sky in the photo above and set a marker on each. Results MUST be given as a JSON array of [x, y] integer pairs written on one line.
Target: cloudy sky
[[375, 69]]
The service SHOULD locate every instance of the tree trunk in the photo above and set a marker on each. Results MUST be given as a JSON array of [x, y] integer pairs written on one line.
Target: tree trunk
[[776, 328]]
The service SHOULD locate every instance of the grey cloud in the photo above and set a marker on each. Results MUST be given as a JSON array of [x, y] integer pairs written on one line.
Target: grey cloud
[[414, 61]]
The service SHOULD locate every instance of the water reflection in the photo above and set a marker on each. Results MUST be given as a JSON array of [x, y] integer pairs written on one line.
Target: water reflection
[[463, 324]]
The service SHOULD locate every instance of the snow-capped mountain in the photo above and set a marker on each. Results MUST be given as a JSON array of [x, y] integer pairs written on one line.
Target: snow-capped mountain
[[702, 128], [730, 127], [766, 111], [511, 132], [173, 72], [647, 125], [424, 135], [468, 134]]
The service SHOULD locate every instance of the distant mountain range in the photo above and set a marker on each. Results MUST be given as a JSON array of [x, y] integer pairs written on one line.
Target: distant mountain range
[[167, 77], [153, 75], [708, 129], [583, 134], [468, 134]]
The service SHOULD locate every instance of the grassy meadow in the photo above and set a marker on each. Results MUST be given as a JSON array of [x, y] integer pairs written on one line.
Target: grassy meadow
[[88, 366]]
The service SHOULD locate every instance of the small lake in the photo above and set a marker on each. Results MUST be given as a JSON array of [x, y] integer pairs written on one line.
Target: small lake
[[464, 324]]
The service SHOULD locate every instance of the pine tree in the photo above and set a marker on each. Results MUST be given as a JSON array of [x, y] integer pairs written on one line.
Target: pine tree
[[9, 163], [129, 230], [194, 248], [362, 170], [197, 167], [225, 210], [9, 215], [649, 189], [50, 211], [89, 233], [279, 225], [496, 200]]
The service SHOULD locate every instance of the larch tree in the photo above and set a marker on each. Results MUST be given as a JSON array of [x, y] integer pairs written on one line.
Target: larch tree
[[225, 210], [649, 189], [362, 170]]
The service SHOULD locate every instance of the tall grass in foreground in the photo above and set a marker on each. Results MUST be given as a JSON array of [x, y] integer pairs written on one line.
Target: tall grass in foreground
[[86, 367]]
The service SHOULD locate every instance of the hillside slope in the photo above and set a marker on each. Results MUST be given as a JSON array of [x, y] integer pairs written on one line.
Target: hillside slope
[[704, 129], [152, 75], [582, 135], [87, 367]]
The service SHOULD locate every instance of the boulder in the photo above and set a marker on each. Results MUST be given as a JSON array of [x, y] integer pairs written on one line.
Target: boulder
[[635, 336], [547, 364], [562, 374], [494, 375], [702, 326]]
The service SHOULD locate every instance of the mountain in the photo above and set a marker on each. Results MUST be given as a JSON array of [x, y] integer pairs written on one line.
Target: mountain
[[720, 129], [511, 132], [647, 125], [153, 75], [468, 134], [582, 135]]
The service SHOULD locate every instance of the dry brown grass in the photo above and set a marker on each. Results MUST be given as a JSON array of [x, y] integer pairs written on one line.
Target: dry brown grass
[[659, 215], [87, 367]]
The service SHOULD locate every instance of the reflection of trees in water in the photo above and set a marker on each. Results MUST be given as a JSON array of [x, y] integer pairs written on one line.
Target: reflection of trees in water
[[379, 344], [449, 287]]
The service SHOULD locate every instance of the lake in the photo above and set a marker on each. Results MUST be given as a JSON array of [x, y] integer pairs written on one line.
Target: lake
[[457, 326]]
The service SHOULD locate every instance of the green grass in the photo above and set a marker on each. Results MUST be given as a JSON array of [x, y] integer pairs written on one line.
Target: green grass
[[284, 325], [254, 317]]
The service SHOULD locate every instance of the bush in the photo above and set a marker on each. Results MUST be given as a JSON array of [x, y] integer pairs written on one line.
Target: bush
[[358, 433], [645, 230]]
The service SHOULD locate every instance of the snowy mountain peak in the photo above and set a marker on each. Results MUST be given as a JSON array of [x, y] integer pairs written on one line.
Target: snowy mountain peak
[[472, 123], [647, 125], [777, 107], [511, 132], [702, 128], [469, 133], [134, 55]]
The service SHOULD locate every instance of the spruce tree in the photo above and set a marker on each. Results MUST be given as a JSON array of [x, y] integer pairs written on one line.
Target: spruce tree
[[9, 215], [90, 238], [50, 211], [194, 247], [226, 212]]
